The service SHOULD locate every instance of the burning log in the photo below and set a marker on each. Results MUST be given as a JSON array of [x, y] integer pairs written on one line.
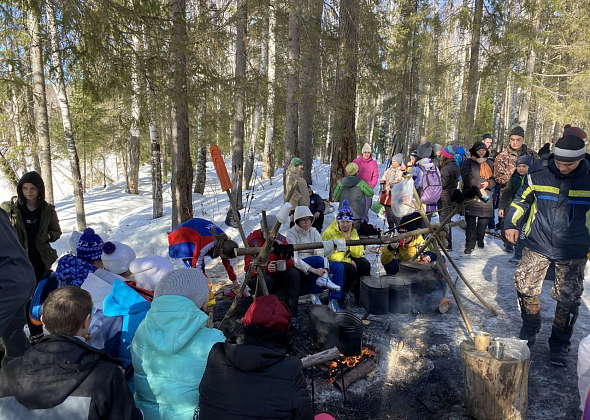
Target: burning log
[[359, 372], [321, 357]]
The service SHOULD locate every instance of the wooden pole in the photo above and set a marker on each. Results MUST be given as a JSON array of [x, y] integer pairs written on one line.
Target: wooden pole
[[234, 209], [477, 295], [443, 269], [262, 255], [436, 232], [349, 242]]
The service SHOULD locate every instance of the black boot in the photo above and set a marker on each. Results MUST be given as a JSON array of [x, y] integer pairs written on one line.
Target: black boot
[[566, 314], [530, 312]]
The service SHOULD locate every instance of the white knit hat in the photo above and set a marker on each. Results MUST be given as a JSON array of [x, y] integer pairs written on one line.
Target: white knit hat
[[188, 282], [366, 148], [74, 239], [302, 211], [116, 257], [148, 271]]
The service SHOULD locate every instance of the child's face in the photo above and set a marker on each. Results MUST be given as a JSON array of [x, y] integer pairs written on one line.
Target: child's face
[[522, 169]]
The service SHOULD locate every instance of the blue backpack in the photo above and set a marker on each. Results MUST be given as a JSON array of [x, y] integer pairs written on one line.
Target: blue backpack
[[47, 284]]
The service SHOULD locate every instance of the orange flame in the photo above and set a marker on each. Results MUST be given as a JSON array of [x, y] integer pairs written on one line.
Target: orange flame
[[350, 362]]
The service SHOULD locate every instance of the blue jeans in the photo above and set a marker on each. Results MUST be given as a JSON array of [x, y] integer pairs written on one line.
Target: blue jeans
[[337, 271]]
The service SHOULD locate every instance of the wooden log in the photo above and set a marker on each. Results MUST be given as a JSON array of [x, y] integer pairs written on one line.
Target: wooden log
[[358, 372], [321, 357], [494, 389], [222, 306], [349, 242]]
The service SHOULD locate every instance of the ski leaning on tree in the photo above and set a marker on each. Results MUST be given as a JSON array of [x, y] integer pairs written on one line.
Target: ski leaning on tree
[[557, 193]]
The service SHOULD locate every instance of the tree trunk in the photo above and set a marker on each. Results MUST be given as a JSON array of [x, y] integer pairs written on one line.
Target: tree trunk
[[270, 45], [310, 50], [239, 101], [344, 128], [182, 167], [8, 172], [133, 180], [66, 118], [201, 151], [529, 69], [157, 199], [165, 152], [42, 118], [258, 110], [293, 58], [473, 72]]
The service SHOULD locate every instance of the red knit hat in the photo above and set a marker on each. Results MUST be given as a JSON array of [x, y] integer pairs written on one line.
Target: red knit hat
[[568, 130], [268, 311]]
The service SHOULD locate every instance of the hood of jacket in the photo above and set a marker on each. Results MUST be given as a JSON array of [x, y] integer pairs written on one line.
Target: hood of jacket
[[48, 373], [350, 181], [257, 349], [124, 300], [32, 178], [172, 322]]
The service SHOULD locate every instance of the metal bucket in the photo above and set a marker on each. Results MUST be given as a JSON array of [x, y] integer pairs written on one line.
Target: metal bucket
[[400, 294], [375, 295], [325, 330], [351, 333]]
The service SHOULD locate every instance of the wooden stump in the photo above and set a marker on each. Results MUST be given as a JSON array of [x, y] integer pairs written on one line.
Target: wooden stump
[[494, 389]]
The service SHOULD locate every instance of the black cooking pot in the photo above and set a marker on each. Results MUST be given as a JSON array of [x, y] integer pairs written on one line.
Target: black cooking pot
[[325, 330], [421, 275], [400, 294], [375, 295], [351, 333]]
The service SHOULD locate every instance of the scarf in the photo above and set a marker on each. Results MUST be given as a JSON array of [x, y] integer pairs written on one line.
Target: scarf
[[485, 172]]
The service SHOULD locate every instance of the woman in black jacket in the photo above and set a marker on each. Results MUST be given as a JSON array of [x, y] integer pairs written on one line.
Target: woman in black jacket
[[449, 178], [477, 174], [253, 377]]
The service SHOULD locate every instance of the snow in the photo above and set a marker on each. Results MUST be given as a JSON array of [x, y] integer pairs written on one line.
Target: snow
[[553, 394]]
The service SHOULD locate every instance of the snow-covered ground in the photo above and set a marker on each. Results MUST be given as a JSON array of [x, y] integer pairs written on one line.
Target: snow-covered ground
[[553, 394]]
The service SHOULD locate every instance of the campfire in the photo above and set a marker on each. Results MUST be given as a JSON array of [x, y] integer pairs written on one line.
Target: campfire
[[345, 372]]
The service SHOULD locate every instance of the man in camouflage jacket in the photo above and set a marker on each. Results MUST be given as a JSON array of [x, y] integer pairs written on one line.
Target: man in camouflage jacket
[[505, 164], [556, 193]]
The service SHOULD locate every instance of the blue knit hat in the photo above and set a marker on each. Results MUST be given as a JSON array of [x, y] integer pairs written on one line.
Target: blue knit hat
[[89, 247], [345, 212]]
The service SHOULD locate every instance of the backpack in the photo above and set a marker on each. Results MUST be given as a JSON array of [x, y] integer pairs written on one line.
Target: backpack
[[430, 185], [47, 284], [229, 219]]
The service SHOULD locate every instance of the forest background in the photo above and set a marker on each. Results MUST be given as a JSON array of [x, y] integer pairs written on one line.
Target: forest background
[[148, 81]]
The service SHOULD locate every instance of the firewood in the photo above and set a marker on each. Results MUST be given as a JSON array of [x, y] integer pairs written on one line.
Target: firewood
[[321, 357], [359, 372]]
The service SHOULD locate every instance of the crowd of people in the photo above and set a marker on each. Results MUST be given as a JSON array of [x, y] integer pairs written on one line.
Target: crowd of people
[[133, 338]]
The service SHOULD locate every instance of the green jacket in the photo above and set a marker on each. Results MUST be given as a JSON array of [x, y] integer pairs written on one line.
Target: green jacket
[[49, 225]]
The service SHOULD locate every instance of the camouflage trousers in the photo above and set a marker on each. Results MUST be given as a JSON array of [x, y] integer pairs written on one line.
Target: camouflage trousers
[[569, 276]]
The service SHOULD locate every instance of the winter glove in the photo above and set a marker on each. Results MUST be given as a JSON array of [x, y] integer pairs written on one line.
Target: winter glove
[[285, 250], [328, 248], [471, 193], [340, 244], [457, 197]]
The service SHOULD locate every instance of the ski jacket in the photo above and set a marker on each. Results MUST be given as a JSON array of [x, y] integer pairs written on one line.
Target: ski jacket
[[557, 226], [512, 187], [471, 178], [169, 353], [316, 203], [334, 232], [417, 173], [62, 374], [254, 380], [125, 302], [297, 235], [449, 178], [505, 162], [300, 196], [354, 189], [368, 170], [48, 226], [17, 277], [256, 239], [194, 241]]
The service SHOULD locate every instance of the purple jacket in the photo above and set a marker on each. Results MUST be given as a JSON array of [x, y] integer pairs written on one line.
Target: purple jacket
[[368, 170]]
